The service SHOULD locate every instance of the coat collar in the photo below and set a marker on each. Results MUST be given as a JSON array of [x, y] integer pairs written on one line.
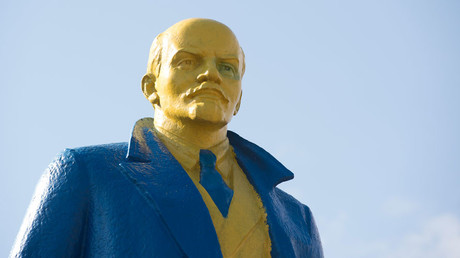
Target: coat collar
[[144, 146]]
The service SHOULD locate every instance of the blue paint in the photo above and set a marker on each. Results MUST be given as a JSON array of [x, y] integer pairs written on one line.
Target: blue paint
[[100, 202]]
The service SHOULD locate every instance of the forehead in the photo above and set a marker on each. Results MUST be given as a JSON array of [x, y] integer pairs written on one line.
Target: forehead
[[206, 38]]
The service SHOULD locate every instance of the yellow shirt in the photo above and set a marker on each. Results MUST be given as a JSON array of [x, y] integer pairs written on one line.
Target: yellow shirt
[[244, 232]]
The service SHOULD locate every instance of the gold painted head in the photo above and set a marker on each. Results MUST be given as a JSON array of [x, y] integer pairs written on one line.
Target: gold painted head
[[194, 73]]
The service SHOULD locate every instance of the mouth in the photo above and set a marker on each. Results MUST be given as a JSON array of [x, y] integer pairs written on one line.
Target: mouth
[[206, 91]]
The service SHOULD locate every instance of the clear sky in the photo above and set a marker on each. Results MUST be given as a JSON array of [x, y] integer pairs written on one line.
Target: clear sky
[[360, 99]]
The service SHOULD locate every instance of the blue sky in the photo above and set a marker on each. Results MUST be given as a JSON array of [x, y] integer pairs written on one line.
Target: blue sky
[[360, 99]]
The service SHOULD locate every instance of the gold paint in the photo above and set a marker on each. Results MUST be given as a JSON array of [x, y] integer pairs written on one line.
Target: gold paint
[[193, 81]]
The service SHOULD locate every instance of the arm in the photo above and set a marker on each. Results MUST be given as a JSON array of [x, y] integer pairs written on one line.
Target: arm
[[54, 225]]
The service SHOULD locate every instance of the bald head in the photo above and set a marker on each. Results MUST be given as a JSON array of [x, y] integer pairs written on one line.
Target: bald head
[[192, 25], [202, 30]]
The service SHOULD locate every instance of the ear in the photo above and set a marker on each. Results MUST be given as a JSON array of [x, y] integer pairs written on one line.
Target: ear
[[148, 88], [237, 107]]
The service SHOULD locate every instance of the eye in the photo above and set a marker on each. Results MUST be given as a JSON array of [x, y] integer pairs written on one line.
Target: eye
[[186, 64], [226, 70]]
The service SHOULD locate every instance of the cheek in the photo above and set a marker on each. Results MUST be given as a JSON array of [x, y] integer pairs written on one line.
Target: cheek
[[234, 91], [181, 81]]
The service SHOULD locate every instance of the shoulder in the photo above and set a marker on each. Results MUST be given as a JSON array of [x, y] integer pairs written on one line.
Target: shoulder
[[113, 152], [103, 151], [71, 165], [70, 155], [293, 205], [56, 216]]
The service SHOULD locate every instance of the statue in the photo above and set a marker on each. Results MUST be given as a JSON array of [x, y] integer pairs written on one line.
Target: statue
[[183, 186]]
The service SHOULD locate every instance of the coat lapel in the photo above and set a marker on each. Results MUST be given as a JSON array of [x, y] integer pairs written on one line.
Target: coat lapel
[[170, 192], [264, 172]]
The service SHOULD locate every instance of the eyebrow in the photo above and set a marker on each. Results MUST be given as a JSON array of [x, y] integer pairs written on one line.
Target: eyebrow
[[230, 59], [185, 52], [227, 58]]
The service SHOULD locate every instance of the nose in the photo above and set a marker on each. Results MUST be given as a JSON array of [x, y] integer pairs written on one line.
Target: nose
[[210, 73]]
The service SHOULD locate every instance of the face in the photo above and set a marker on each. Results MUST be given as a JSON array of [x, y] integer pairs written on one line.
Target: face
[[200, 75]]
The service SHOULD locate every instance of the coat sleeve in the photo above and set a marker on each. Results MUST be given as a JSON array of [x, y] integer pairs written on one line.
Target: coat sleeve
[[55, 223]]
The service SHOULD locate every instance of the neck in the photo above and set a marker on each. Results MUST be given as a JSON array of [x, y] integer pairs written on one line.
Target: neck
[[200, 134]]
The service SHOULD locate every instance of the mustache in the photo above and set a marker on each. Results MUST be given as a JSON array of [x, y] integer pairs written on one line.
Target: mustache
[[192, 92]]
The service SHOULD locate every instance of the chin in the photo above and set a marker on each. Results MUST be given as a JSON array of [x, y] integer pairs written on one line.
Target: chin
[[208, 114]]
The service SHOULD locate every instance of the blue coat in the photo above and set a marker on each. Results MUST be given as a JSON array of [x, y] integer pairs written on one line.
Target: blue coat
[[100, 201]]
